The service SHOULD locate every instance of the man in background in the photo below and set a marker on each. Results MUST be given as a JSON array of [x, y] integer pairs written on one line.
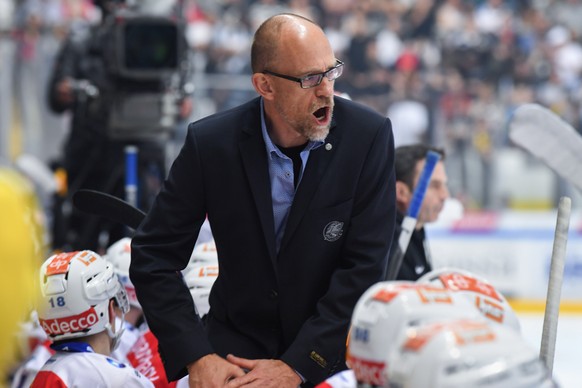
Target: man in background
[[408, 164], [106, 105]]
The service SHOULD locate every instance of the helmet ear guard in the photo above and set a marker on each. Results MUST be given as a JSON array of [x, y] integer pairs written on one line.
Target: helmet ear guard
[[122, 301]]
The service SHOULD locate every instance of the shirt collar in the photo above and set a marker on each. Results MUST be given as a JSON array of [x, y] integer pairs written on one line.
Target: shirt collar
[[74, 347], [271, 147]]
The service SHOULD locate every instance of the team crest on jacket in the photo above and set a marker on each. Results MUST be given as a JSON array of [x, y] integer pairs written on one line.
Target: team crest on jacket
[[333, 231]]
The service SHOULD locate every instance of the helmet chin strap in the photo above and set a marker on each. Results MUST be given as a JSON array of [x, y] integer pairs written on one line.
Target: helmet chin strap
[[116, 334]]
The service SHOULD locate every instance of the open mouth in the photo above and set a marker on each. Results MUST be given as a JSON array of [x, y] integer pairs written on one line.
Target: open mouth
[[321, 115]]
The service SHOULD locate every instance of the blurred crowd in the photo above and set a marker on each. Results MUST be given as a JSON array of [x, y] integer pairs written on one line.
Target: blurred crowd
[[447, 72]]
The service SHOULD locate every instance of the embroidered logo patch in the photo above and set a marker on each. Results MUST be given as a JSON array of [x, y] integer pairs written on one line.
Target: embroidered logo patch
[[318, 358], [333, 231]]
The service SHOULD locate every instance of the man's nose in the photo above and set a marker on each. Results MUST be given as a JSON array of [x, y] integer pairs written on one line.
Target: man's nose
[[325, 88]]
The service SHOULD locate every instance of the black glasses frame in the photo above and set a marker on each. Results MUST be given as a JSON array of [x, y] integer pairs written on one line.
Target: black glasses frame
[[301, 80]]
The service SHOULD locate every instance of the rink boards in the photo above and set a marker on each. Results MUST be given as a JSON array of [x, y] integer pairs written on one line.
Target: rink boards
[[513, 251]]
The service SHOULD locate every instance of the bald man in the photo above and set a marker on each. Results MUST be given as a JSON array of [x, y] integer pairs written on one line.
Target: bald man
[[299, 190]]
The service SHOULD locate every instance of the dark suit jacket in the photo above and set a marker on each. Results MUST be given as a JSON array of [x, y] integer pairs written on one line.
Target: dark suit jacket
[[296, 305]]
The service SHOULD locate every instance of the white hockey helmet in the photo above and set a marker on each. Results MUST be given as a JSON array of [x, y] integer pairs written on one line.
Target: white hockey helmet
[[119, 254], [478, 290], [384, 311], [199, 280], [204, 253], [76, 289], [466, 353]]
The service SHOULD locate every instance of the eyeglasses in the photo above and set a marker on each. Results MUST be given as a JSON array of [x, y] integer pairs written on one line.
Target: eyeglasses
[[312, 80]]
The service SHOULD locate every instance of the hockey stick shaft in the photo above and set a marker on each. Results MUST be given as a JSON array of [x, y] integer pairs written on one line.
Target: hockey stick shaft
[[409, 221], [551, 139], [131, 174], [552, 311]]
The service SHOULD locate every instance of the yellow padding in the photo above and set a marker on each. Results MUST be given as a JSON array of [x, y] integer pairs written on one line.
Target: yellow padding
[[539, 306], [21, 254]]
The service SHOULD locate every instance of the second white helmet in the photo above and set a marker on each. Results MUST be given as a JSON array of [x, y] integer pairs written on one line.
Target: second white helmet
[[490, 302], [119, 254], [199, 280], [466, 353], [384, 311], [204, 253]]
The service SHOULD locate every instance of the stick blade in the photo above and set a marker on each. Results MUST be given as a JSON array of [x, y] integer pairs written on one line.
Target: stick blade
[[551, 139], [98, 203]]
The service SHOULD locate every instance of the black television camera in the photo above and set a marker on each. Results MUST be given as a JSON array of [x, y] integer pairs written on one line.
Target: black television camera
[[147, 58]]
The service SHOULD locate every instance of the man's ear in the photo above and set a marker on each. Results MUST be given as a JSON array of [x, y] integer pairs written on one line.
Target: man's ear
[[263, 86], [403, 193], [403, 196]]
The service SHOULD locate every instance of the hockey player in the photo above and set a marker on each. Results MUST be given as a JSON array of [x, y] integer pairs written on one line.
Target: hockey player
[[139, 347], [409, 161], [80, 293], [35, 349], [119, 254], [382, 313], [386, 310], [419, 335], [200, 274]]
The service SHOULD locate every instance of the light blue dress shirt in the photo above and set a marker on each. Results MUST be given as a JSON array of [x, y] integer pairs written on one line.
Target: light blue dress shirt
[[282, 178]]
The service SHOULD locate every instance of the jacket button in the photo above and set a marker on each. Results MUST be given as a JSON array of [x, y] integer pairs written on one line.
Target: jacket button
[[273, 295]]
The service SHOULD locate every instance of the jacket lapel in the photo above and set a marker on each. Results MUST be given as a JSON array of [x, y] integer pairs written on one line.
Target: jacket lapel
[[316, 165], [254, 158]]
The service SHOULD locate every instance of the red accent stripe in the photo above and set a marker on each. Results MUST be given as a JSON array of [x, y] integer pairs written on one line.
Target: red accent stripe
[[46, 379]]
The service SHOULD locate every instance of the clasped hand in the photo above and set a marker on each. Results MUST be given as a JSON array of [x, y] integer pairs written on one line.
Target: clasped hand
[[213, 371]]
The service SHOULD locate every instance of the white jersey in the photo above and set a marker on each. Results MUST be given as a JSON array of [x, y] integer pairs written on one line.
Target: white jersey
[[87, 369], [145, 358], [27, 371], [343, 379]]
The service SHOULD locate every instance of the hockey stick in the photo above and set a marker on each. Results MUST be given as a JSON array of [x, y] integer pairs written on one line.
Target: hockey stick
[[550, 326], [409, 221], [554, 141], [105, 205], [131, 174], [551, 139]]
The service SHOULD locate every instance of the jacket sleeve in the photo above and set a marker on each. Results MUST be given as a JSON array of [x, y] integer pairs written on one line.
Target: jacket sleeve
[[65, 66], [161, 248]]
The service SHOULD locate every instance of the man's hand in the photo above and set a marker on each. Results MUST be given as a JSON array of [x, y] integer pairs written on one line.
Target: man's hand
[[65, 93], [264, 374], [212, 371]]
